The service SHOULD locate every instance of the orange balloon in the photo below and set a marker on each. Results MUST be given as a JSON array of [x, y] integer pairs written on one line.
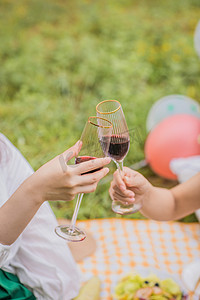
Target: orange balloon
[[175, 137]]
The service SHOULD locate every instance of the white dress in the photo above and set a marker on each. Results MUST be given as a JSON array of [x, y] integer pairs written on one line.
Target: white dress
[[41, 260]]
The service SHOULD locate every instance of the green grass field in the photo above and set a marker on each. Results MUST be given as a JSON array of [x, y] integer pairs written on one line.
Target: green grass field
[[60, 58]]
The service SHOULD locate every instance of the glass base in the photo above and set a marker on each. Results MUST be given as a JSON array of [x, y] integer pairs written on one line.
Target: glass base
[[66, 232], [125, 209]]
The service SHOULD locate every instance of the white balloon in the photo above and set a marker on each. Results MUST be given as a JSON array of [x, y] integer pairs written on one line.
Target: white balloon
[[171, 105]]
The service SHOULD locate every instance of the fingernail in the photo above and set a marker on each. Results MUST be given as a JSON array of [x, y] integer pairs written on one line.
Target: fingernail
[[107, 170], [127, 179]]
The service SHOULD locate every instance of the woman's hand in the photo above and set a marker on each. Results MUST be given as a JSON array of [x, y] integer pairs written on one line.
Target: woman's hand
[[130, 186], [56, 180], [53, 181]]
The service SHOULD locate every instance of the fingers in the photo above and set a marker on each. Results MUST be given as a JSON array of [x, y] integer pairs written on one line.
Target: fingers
[[91, 178], [121, 179], [118, 188], [116, 196], [124, 196], [88, 183], [122, 199], [68, 195], [130, 177], [135, 180], [91, 165], [117, 178], [87, 188], [126, 193]]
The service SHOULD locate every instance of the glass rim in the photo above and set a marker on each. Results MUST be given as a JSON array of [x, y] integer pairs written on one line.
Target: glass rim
[[109, 112], [101, 126]]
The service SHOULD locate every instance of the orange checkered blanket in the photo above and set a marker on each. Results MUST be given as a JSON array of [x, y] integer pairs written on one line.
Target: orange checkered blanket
[[123, 244]]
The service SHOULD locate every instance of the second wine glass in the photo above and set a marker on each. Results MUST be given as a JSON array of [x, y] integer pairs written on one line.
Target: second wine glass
[[95, 144], [119, 145]]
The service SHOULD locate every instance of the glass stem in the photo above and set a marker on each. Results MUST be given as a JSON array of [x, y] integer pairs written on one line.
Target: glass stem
[[75, 214], [119, 166]]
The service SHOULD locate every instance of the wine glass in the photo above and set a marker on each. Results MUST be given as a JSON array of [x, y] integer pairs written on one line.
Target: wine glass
[[119, 145], [95, 144]]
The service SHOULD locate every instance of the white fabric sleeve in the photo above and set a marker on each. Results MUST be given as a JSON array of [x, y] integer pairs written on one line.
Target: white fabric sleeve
[[185, 167], [14, 166], [44, 261], [41, 259], [6, 252]]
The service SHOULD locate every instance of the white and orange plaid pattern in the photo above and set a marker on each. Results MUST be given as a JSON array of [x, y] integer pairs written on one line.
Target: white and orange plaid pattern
[[123, 244]]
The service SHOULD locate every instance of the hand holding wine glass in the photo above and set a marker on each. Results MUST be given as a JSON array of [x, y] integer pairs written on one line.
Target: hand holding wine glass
[[96, 130], [119, 145]]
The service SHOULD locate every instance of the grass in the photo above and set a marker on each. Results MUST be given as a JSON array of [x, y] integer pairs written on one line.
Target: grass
[[60, 58]]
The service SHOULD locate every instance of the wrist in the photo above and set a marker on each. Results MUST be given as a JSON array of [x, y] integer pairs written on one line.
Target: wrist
[[34, 189]]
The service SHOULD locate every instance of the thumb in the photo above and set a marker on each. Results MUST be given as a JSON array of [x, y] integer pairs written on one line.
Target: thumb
[[135, 180], [73, 151]]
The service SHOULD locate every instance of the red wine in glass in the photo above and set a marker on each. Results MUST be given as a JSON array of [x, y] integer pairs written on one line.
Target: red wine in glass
[[118, 148], [119, 145]]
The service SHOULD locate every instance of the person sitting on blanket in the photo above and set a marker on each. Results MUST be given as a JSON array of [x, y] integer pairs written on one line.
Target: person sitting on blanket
[[157, 203], [34, 262]]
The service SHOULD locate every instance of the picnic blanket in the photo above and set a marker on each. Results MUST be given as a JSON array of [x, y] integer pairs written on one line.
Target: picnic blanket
[[124, 244]]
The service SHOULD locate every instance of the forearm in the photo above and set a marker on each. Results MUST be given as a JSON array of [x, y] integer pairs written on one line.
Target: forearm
[[159, 204], [18, 210], [187, 197], [176, 203]]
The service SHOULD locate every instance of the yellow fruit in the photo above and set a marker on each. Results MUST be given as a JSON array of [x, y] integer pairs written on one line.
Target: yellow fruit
[[90, 290]]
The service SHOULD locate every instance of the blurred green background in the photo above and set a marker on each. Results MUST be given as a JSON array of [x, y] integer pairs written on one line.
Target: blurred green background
[[60, 58]]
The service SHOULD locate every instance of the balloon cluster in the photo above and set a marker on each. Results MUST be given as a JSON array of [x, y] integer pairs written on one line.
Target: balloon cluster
[[173, 123], [173, 126]]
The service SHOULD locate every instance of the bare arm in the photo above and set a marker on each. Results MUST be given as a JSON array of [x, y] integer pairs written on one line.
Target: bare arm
[[50, 182], [157, 203], [18, 210], [187, 197]]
